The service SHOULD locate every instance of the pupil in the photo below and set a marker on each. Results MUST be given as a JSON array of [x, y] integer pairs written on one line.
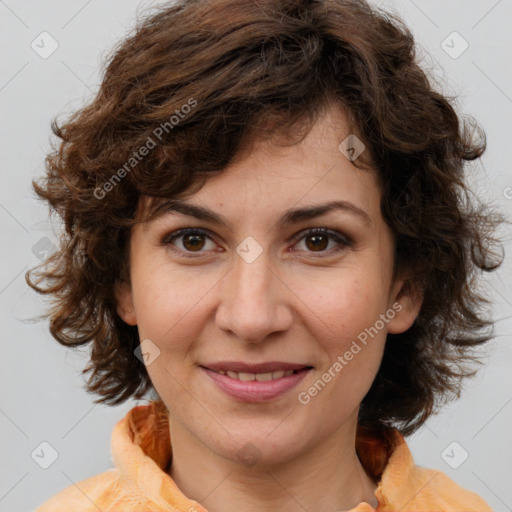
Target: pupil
[[318, 241], [197, 241]]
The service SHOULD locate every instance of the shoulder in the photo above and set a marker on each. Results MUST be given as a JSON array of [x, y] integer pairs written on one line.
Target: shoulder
[[100, 492], [408, 487], [434, 490], [140, 449]]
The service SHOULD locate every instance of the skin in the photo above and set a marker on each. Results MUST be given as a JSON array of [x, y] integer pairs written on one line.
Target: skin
[[296, 302]]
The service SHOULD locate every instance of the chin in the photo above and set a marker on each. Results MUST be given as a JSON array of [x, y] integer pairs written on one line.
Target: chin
[[261, 446]]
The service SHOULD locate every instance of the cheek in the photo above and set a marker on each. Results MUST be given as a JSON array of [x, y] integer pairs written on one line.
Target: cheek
[[165, 303], [345, 305], [351, 342], [350, 335], [167, 314]]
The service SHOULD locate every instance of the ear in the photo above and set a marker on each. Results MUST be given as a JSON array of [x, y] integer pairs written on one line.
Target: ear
[[406, 300], [124, 298]]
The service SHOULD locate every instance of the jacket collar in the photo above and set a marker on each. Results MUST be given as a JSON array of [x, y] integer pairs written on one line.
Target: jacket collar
[[141, 450]]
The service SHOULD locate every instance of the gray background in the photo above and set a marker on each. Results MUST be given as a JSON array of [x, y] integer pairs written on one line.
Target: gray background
[[42, 399]]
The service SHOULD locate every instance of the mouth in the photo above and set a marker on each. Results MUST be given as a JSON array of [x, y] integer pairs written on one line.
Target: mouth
[[265, 376], [261, 371], [256, 383]]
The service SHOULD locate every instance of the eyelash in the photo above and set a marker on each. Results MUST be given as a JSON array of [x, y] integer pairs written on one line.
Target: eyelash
[[342, 240]]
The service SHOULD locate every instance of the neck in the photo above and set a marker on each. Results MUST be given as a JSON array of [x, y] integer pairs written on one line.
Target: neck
[[326, 477]]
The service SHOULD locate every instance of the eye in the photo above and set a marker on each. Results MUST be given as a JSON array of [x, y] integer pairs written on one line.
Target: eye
[[317, 240], [193, 240]]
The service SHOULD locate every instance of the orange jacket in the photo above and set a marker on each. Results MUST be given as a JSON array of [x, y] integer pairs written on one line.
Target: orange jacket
[[141, 452]]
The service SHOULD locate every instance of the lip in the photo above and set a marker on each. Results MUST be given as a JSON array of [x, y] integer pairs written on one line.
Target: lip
[[269, 366], [256, 391]]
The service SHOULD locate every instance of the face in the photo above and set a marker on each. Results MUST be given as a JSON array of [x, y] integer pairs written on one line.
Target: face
[[260, 286]]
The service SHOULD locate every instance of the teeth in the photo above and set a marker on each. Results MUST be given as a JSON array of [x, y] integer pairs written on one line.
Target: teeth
[[264, 376], [256, 376]]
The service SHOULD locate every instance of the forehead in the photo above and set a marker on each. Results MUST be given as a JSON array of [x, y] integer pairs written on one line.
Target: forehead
[[269, 177]]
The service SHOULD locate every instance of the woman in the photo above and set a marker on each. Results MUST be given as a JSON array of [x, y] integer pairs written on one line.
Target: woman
[[267, 226]]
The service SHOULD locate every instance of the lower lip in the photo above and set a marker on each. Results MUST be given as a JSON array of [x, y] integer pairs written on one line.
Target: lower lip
[[256, 390]]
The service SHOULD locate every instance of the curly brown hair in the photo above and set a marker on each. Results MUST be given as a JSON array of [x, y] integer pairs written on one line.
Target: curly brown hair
[[187, 90]]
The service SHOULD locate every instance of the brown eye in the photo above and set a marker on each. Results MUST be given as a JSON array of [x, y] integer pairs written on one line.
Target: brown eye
[[317, 241], [189, 241], [193, 242]]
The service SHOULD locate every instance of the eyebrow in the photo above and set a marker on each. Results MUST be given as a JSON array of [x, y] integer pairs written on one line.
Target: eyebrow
[[291, 216]]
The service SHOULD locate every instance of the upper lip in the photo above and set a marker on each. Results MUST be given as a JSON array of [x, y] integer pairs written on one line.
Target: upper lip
[[239, 366]]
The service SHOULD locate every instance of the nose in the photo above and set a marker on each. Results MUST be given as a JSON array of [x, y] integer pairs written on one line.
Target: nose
[[254, 301]]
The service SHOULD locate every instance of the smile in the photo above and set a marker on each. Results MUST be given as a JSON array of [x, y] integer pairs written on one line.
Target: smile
[[256, 387], [257, 376]]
